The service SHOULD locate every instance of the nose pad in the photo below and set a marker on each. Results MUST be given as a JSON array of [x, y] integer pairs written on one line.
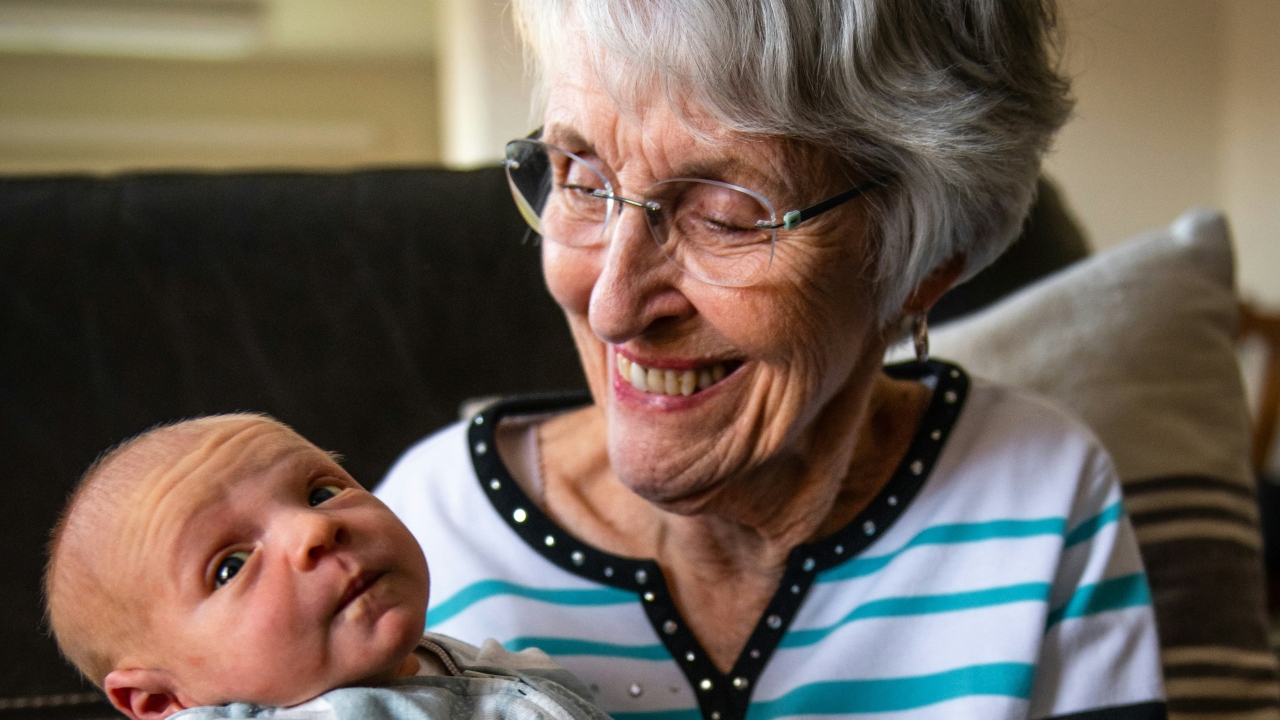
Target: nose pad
[[633, 255], [629, 218]]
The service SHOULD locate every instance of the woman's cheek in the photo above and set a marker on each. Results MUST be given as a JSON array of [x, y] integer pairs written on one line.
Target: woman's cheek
[[571, 275]]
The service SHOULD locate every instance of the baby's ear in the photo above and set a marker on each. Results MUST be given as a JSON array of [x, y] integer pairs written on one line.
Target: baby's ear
[[142, 694]]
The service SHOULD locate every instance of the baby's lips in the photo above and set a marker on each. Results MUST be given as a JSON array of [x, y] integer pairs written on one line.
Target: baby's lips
[[356, 587]]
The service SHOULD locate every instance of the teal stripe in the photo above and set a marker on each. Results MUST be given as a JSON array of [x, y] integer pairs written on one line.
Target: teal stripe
[[947, 535], [690, 714], [923, 605], [1114, 594], [896, 694], [1087, 529], [570, 646], [475, 592]]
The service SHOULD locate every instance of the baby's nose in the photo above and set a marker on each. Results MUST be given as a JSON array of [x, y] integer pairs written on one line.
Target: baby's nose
[[316, 535]]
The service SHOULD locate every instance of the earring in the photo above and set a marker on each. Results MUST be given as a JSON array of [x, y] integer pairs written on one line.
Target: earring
[[920, 336]]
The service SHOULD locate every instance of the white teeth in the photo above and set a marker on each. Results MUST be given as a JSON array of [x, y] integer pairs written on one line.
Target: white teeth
[[669, 382], [688, 382], [655, 383]]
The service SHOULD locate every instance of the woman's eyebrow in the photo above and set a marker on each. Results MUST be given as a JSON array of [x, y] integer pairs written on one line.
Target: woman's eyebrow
[[732, 170], [726, 167], [566, 137]]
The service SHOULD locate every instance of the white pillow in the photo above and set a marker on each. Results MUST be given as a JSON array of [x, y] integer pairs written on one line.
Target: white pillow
[[1139, 341]]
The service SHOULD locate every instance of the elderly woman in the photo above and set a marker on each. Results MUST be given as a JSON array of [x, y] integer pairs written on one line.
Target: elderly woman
[[742, 205]]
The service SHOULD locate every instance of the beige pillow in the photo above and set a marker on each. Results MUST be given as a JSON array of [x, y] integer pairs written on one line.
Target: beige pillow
[[1139, 341]]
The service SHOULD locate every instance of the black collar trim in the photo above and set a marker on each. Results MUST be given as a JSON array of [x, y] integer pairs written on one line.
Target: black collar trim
[[720, 696]]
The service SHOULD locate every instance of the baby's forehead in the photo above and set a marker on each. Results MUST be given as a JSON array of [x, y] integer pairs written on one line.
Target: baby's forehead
[[188, 465], [221, 439]]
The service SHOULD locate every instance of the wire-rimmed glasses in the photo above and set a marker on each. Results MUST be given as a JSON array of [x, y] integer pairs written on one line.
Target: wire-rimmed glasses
[[720, 233]]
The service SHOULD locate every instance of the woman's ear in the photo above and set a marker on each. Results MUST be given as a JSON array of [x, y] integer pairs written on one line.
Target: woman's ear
[[142, 694], [934, 285]]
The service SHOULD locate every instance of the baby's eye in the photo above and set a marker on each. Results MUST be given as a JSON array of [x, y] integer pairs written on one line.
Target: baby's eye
[[228, 568], [322, 493]]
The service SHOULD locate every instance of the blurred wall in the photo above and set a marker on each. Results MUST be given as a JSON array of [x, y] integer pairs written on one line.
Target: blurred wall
[[482, 75], [76, 114], [112, 85], [1179, 105], [1251, 142]]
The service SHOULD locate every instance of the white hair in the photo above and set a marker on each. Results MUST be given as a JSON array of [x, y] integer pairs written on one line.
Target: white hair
[[955, 100]]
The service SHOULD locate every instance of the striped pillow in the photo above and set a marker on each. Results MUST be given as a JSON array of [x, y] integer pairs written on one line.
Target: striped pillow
[[1139, 341]]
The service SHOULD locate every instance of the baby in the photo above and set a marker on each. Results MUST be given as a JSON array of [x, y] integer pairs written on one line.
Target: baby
[[226, 567]]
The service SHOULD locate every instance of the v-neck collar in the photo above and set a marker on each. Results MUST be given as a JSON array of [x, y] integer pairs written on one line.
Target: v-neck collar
[[721, 696]]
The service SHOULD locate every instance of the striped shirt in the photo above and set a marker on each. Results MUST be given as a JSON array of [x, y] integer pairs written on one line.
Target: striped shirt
[[995, 576]]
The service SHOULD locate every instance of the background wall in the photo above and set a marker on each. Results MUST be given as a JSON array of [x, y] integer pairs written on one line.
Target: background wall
[[1179, 100], [75, 114], [1179, 105], [110, 85]]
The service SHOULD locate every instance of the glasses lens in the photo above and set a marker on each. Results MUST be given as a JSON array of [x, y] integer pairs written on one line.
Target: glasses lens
[[553, 190], [710, 229]]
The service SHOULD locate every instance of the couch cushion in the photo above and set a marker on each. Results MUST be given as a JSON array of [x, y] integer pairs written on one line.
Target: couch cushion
[[1139, 341]]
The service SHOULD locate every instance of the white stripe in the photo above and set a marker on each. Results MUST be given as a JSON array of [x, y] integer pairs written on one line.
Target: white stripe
[[1218, 655], [1227, 688]]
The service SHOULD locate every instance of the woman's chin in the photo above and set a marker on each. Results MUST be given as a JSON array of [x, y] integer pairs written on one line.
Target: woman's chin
[[673, 470]]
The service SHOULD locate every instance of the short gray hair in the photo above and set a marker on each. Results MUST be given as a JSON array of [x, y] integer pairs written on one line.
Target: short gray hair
[[956, 100]]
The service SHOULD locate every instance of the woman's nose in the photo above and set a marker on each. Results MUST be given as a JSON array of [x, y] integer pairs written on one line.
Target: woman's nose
[[312, 536], [637, 283]]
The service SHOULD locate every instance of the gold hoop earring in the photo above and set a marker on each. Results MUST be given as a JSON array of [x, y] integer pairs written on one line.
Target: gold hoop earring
[[920, 336]]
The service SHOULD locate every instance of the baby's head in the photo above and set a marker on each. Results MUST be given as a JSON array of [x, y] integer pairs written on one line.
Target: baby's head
[[228, 559]]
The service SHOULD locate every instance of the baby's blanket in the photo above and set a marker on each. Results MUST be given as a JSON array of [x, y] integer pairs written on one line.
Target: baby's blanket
[[490, 684]]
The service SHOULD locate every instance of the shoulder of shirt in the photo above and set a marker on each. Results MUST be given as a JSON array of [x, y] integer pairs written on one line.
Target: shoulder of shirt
[[1025, 412], [1000, 424], [491, 653], [441, 452]]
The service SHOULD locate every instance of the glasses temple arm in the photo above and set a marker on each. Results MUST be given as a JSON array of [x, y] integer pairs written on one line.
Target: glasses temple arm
[[795, 217]]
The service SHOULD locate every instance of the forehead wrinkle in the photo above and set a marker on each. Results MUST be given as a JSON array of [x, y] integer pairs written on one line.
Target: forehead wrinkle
[[758, 163], [167, 497]]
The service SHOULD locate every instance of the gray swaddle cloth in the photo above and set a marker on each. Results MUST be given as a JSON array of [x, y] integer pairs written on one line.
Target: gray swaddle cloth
[[487, 683]]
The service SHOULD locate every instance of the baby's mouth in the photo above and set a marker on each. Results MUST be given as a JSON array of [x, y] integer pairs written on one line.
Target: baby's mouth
[[658, 381], [356, 587]]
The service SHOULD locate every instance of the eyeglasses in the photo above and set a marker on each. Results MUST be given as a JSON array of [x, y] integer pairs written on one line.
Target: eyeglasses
[[717, 232]]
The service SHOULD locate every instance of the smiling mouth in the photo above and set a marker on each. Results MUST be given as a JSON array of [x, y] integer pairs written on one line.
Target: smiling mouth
[[357, 587], [657, 381]]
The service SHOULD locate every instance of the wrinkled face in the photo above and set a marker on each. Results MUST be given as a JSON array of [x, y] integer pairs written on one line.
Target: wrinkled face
[[272, 576], [767, 363]]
